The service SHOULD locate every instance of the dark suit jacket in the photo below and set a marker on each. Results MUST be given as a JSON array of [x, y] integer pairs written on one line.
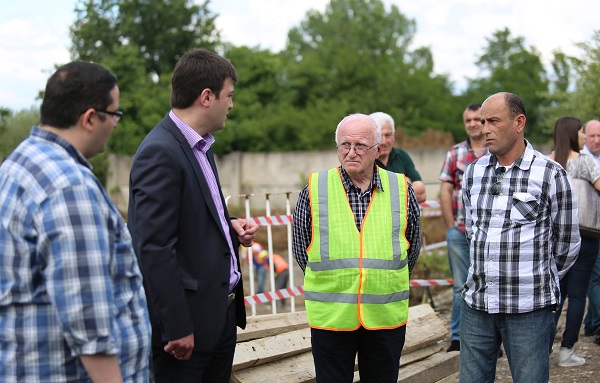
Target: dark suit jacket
[[179, 241]]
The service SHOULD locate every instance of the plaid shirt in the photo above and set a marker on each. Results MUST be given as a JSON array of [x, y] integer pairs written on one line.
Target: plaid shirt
[[455, 164], [69, 280], [522, 241], [359, 202]]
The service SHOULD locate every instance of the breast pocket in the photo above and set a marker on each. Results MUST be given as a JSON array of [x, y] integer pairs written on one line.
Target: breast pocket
[[524, 208]]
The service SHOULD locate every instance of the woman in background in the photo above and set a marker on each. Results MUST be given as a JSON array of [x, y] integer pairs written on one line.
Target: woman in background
[[568, 141]]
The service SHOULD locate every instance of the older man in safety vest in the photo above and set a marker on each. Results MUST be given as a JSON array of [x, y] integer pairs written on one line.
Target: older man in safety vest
[[357, 237]]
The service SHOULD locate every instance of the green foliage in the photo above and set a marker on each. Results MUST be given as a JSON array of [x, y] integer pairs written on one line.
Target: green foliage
[[577, 89], [587, 96], [161, 30], [15, 127], [355, 56], [357, 52], [140, 41], [514, 68]]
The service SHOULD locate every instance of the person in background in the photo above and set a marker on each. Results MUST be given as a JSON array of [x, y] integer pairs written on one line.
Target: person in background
[[522, 227], [357, 237], [567, 131], [281, 268], [453, 212], [260, 269], [183, 235], [395, 159], [591, 131], [72, 306]]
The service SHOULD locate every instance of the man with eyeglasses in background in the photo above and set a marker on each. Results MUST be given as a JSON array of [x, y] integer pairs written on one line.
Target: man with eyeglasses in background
[[72, 303], [523, 232], [357, 237]]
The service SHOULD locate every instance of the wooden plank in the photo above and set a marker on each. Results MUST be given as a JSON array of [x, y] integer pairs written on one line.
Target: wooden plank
[[424, 328], [298, 368], [265, 350], [273, 349], [416, 355], [432, 369], [268, 325], [449, 379]]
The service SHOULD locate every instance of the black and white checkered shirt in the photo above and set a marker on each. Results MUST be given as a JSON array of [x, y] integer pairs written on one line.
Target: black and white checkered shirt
[[359, 202], [523, 240]]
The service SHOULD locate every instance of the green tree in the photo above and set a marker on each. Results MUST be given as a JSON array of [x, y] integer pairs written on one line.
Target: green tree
[[15, 127], [585, 100], [357, 53], [140, 41], [512, 67]]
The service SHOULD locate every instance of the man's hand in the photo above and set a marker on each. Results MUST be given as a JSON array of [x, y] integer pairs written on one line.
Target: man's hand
[[245, 229], [181, 348]]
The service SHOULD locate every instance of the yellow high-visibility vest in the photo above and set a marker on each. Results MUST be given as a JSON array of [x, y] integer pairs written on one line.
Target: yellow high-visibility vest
[[357, 278]]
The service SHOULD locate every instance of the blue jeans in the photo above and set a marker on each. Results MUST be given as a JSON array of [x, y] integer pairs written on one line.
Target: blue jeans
[[574, 285], [592, 319], [458, 257], [527, 339], [261, 278]]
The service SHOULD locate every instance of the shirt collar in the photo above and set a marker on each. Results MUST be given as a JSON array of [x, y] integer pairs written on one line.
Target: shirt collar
[[376, 181], [47, 135], [524, 162], [195, 140]]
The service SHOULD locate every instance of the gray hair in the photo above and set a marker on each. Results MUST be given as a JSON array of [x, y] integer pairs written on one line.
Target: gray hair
[[374, 124], [382, 118]]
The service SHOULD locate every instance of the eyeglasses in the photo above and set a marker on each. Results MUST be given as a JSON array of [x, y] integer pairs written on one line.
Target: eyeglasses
[[359, 148], [117, 114], [496, 188]]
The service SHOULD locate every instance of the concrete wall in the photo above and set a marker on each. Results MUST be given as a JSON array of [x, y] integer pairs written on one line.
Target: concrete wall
[[276, 173]]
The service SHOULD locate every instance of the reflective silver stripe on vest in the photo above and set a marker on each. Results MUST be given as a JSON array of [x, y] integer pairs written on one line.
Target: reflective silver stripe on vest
[[353, 298], [395, 201], [348, 263], [323, 216]]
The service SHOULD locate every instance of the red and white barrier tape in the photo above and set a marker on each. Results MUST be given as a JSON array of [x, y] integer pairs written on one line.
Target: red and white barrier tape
[[288, 292], [273, 220], [280, 220], [269, 296]]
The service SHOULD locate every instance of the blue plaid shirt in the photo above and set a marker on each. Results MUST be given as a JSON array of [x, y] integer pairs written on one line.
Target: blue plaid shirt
[[69, 280]]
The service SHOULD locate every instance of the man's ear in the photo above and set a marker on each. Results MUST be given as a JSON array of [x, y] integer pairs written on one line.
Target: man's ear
[[520, 121], [85, 119], [205, 97]]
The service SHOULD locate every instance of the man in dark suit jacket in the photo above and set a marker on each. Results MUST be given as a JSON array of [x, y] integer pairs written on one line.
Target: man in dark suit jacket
[[183, 236]]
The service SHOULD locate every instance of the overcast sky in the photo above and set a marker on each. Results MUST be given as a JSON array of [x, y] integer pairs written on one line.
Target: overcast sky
[[34, 34]]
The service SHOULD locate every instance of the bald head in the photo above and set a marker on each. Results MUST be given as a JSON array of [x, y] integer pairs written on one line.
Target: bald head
[[592, 136], [503, 119]]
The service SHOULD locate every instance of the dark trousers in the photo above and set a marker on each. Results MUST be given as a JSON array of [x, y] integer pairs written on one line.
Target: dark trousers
[[574, 285], [203, 367], [334, 353]]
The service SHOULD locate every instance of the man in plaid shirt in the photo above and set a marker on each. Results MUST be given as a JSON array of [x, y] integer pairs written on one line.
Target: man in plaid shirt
[[522, 227], [72, 304], [453, 211]]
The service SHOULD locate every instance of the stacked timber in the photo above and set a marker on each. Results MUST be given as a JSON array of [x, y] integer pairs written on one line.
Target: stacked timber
[[277, 348]]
